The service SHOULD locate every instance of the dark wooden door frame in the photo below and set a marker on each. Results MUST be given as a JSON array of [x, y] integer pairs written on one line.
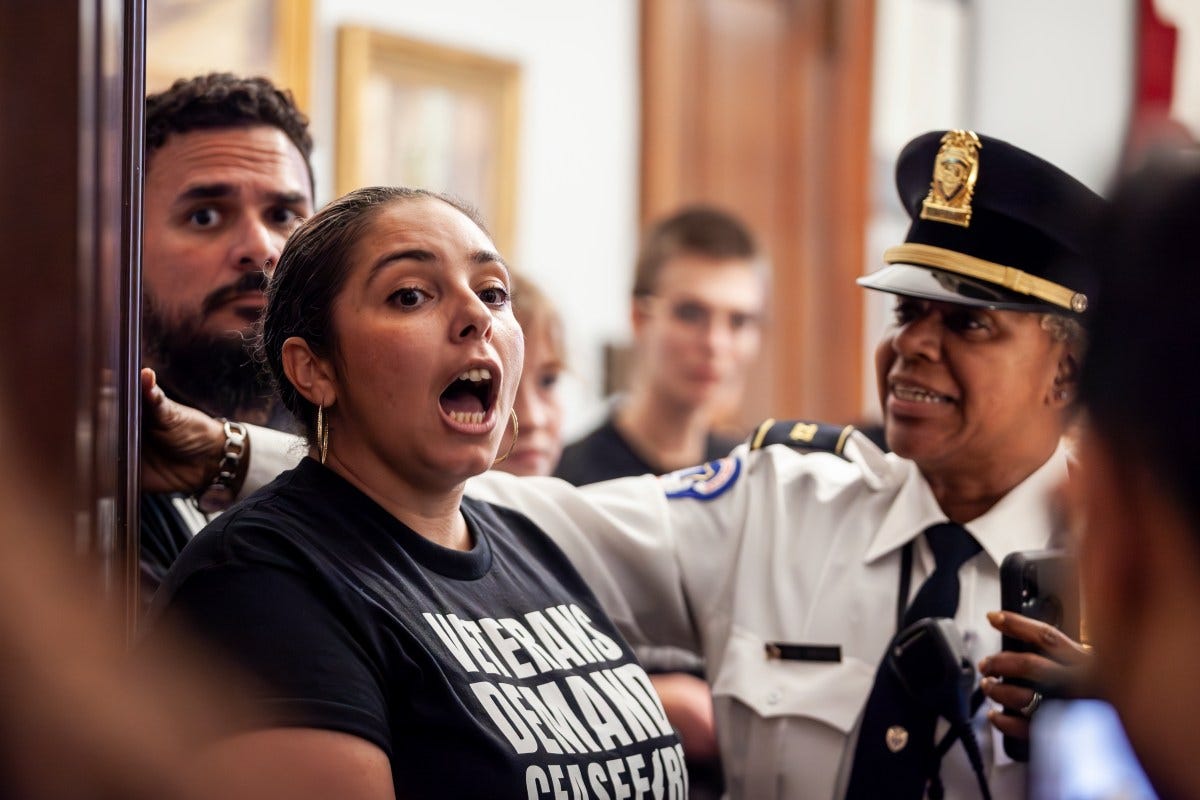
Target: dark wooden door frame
[[71, 156]]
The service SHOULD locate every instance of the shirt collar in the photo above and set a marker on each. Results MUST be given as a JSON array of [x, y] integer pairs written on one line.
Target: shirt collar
[[1024, 519]]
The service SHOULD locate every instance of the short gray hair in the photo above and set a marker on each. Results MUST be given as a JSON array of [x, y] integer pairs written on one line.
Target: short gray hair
[[1065, 329]]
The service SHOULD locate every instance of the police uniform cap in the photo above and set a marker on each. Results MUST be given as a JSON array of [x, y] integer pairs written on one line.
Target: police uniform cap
[[992, 226]]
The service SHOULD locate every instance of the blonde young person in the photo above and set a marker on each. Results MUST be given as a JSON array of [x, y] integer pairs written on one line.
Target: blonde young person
[[696, 313], [538, 405]]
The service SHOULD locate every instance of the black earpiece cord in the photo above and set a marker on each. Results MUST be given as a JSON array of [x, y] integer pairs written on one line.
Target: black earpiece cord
[[962, 731]]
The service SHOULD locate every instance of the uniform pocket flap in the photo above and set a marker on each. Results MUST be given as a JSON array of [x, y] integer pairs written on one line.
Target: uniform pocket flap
[[831, 692]]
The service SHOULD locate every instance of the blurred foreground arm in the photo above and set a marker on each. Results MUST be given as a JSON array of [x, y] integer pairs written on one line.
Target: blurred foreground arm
[[88, 718], [300, 763]]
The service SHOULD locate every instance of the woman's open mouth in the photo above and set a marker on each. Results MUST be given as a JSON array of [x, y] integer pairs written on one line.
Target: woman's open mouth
[[470, 398]]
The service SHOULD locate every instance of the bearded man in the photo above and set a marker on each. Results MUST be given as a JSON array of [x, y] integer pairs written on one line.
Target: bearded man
[[227, 179]]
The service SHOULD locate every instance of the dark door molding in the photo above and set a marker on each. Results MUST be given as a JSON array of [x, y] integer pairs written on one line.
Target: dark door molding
[[70, 223]]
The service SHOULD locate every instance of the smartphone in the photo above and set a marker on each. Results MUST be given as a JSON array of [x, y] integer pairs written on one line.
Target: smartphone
[[1041, 585]]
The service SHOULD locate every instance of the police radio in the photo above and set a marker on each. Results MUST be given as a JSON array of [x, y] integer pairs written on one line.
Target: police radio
[[930, 663]]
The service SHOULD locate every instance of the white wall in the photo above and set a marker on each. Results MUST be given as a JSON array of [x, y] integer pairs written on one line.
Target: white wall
[[1053, 77], [577, 188], [1057, 79]]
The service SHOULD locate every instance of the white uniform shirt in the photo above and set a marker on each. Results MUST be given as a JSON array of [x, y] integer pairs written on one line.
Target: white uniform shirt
[[271, 453], [784, 548]]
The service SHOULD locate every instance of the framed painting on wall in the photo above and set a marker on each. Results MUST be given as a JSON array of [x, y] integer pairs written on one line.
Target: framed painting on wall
[[246, 37], [416, 114]]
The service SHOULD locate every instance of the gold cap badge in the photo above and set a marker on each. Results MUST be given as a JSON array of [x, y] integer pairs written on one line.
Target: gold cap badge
[[896, 738], [954, 172]]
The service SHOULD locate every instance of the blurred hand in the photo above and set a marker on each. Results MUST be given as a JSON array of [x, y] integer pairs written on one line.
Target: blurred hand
[[181, 445], [688, 703], [1062, 667]]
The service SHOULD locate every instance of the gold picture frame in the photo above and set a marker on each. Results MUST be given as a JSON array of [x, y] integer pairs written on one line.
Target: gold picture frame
[[416, 114], [272, 38]]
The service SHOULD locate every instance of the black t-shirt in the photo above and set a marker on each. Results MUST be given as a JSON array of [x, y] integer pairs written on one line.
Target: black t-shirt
[[488, 673], [605, 454]]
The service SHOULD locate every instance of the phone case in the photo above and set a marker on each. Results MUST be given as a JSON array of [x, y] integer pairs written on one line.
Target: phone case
[[1041, 585]]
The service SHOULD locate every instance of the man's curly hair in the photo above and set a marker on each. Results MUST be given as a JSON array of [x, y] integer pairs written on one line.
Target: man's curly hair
[[224, 100]]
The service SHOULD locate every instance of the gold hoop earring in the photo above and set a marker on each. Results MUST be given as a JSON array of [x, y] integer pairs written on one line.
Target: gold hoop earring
[[322, 433], [516, 430]]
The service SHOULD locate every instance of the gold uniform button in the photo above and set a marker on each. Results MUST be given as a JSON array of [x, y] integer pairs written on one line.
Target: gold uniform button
[[896, 738]]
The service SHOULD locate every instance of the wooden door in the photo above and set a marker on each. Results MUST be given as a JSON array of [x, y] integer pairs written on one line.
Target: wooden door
[[762, 107], [70, 154]]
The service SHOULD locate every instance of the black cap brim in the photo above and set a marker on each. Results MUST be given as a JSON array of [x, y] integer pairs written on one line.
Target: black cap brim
[[927, 283]]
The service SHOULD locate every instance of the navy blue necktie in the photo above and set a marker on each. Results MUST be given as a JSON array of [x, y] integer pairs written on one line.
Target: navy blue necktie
[[894, 757], [952, 545]]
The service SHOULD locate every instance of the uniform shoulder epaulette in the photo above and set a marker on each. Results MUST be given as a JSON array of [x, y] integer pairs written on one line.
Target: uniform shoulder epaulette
[[802, 435]]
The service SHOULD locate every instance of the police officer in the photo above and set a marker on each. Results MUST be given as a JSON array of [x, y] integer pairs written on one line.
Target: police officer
[[791, 573]]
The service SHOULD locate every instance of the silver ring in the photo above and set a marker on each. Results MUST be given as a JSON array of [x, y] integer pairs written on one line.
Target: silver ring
[[1028, 710]]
